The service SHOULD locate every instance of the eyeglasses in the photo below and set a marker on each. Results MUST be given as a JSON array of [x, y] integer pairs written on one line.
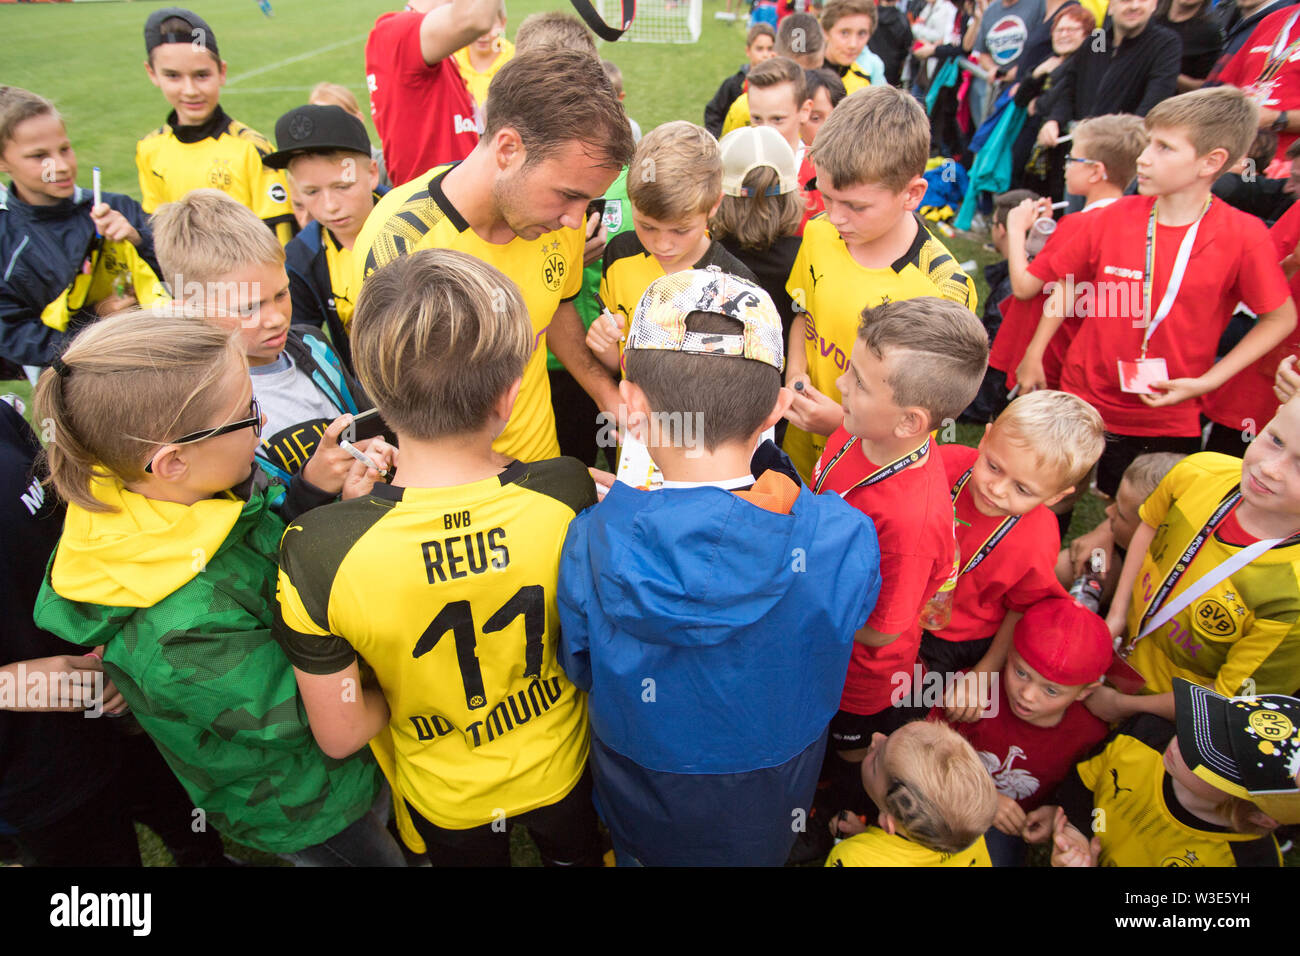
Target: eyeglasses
[[254, 421], [1079, 159]]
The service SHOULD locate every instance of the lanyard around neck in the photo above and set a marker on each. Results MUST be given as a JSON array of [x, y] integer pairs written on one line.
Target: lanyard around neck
[[1001, 531], [877, 476], [1175, 277]]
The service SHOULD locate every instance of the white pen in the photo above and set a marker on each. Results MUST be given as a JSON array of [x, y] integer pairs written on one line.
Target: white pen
[[94, 182], [362, 457], [1061, 205]]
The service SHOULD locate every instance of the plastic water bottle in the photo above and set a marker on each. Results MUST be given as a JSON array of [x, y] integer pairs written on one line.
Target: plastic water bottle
[[938, 610], [1039, 233], [1086, 589]]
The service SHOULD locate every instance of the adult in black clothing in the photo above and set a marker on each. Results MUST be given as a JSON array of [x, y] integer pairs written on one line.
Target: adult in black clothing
[[1035, 167], [1247, 188], [70, 787], [1201, 35], [891, 40], [1129, 68], [1238, 19], [760, 45]]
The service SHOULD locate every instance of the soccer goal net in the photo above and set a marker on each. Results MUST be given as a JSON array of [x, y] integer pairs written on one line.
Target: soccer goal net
[[659, 21]]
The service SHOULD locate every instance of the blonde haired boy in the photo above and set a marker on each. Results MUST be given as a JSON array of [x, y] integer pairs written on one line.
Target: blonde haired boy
[[1164, 271], [935, 799], [869, 248], [674, 184], [477, 723], [219, 258], [1036, 452]]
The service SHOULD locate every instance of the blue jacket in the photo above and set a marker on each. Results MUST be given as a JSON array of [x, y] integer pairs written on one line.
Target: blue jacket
[[713, 637], [42, 249]]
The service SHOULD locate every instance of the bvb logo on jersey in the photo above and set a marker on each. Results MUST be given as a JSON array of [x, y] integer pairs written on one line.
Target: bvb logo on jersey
[[553, 270], [220, 176], [1214, 619]]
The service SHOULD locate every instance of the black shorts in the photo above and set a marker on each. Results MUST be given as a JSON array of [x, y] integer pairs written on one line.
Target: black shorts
[[565, 833], [1122, 449], [949, 657], [854, 731]]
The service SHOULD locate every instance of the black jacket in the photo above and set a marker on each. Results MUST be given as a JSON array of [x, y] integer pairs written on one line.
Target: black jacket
[[310, 288], [715, 113], [1129, 78], [42, 249], [891, 41]]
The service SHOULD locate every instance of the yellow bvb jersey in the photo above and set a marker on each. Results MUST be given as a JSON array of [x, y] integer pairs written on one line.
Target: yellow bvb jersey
[[875, 847], [222, 154], [737, 114], [1138, 818], [832, 289], [1246, 627], [477, 83], [448, 596], [343, 278], [547, 270], [112, 261]]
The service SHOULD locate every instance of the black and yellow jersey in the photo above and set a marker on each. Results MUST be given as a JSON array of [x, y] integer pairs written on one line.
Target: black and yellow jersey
[[221, 154], [876, 847], [832, 289], [852, 76], [448, 596], [1134, 811], [548, 271], [1243, 634], [737, 114], [628, 270]]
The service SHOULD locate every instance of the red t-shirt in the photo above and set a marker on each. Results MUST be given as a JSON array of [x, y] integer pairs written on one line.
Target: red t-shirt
[[1018, 572], [1020, 318], [1232, 261], [424, 114], [1247, 398], [912, 511], [1028, 762], [1244, 69]]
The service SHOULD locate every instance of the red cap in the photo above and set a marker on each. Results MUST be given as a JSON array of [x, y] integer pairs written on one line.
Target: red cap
[[1065, 642]]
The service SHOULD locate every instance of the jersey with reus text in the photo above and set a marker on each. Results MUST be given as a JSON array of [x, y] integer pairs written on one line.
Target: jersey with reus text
[[448, 596]]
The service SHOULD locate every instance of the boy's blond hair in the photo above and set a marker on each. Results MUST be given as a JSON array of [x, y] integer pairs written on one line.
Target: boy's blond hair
[[206, 237], [437, 338], [1064, 433], [939, 353], [335, 94], [879, 135], [553, 30], [676, 172], [17, 106], [800, 38], [1116, 140], [938, 791], [1223, 117], [1145, 472], [131, 383], [837, 10]]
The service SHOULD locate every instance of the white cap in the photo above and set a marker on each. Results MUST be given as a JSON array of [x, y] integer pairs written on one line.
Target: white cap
[[750, 147]]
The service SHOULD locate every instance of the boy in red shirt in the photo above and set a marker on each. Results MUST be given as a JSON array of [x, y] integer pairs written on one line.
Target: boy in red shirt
[[1102, 162], [1038, 726], [1159, 275], [915, 363], [1034, 455]]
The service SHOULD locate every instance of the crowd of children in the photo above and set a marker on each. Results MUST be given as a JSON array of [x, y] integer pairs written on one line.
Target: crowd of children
[[310, 520]]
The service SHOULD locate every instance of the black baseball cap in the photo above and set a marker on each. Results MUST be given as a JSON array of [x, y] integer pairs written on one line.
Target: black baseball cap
[[199, 33], [316, 129]]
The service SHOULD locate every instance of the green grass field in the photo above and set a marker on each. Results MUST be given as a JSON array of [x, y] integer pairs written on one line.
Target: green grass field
[[89, 59]]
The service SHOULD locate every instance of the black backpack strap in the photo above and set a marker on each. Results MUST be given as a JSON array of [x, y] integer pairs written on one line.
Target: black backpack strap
[[599, 26]]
